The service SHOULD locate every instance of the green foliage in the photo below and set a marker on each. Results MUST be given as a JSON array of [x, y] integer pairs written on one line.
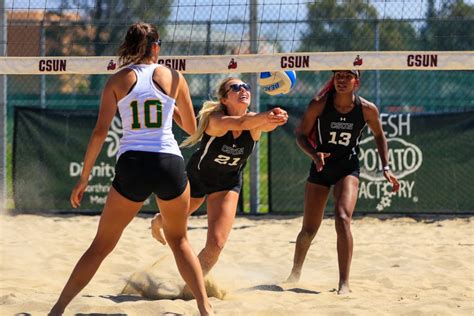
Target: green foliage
[[397, 35], [100, 28], [355, 25], [450, 28], [334, 26], [78, 28]]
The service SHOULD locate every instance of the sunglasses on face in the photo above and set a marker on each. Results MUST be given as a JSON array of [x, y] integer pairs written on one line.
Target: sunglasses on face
[[237, 86], [158, 42]]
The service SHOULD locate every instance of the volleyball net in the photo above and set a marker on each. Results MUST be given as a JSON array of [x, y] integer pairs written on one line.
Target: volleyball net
[[250, 63], [416, 57]]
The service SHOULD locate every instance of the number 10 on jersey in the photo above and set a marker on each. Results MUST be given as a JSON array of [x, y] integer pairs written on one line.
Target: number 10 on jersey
[[150, 120]]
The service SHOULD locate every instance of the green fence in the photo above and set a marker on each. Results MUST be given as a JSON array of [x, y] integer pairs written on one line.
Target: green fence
[[49, 147], [401, 93], [431, 154], [84, 28]]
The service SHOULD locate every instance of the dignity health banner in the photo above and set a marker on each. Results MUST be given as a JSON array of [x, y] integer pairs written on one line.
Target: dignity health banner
[[49, 147], [431, 154]]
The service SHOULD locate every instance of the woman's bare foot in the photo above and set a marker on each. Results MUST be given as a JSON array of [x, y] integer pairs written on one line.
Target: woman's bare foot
[[343, 289], [294, 277], [56, 311], [205, 308], [156, 225], [206, 311]]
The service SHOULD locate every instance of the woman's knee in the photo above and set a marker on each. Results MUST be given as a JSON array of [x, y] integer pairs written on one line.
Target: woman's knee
[[216, 243], [342, 218], [101, 248], [176, 241], [308, 232]]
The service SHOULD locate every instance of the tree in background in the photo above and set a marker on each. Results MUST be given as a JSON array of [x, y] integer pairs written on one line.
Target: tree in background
[[112, 18], [449, 28], [95, 28], [101, 24], [355, 26], [352, 25]]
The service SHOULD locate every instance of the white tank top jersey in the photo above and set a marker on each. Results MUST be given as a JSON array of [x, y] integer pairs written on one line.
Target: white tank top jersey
[[147, 116]]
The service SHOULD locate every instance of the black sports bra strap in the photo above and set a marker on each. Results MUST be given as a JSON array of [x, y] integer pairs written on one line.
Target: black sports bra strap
[[134, 84], [131, 88], [159, 87], [157, 84]]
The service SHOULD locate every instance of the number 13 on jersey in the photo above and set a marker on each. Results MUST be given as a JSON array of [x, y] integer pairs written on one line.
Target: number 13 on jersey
[[343, 138], [152, 112]]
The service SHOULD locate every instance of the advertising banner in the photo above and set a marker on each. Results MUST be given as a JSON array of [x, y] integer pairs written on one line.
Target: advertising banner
[[49, 147], [432, 156]]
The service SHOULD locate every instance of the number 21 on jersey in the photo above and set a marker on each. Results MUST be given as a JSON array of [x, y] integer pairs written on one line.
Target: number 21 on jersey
[[152, 112], [224, 160]]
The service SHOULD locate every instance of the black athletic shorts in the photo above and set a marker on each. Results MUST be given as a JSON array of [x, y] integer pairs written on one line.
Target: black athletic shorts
[[140, 173], [334, 171], [203, 183]]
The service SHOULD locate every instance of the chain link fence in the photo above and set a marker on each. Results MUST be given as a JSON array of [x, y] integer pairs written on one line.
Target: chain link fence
[[82, 28]]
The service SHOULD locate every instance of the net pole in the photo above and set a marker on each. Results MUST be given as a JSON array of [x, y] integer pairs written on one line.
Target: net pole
[[377, 72], [208, 52], [255, 158], [3, 112], [42, 49]]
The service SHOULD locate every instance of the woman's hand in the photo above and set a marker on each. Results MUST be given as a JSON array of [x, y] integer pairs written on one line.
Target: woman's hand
[[392, 179], [277, 116], [78, 192], [319, 158]]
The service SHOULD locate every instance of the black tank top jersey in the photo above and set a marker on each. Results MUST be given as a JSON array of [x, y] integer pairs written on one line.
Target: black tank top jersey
[[339, 134], [222, 156]]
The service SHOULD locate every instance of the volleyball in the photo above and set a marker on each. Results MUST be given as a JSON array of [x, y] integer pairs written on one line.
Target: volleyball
[[277, 82]]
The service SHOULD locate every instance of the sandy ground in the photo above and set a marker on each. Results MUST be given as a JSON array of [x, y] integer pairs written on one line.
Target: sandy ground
[[401, 266]]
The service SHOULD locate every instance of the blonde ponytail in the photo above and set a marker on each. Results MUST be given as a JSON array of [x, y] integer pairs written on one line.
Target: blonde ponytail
[[208, 108]]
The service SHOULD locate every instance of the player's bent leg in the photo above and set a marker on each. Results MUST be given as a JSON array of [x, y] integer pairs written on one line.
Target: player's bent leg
[[195, 203], [221, 210], [157, 221], [345, 197], [314, 203], [174, 219], [117, 214], [156, 226]]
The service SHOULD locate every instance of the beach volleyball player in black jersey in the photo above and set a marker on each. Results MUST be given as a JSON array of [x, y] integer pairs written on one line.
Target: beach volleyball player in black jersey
[[227, 133], [329, 133]]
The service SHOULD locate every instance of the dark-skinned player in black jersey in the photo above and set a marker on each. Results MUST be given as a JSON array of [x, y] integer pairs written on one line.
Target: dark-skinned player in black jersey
[[329, 133], [227, 133]]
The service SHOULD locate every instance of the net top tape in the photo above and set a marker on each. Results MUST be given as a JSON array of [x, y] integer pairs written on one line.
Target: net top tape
[[393, 60]]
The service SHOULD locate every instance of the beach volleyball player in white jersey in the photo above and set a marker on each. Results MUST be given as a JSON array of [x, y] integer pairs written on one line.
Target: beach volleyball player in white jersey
[[149, 161]]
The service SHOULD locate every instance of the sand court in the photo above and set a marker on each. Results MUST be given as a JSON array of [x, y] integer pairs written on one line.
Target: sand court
[[400, 266]]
